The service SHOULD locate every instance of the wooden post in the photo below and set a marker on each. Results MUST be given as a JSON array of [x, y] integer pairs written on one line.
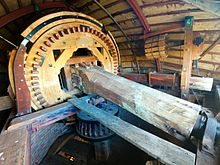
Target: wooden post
[[187, 61], [158, 64], [171, 114]]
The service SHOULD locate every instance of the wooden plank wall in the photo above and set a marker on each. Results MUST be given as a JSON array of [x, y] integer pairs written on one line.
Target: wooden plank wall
[[160, 15]]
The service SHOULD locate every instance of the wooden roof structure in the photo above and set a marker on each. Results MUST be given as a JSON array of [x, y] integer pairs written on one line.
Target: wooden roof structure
[[136, 18]]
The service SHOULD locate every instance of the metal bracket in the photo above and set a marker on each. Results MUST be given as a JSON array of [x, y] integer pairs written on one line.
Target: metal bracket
[[206, 153]]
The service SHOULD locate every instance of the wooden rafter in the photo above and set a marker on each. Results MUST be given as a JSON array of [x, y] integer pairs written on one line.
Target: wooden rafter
[[27, 10], [180, 25], [138, 11], [210, 48], [208, 6], [5, 6], [19, 3], [163, 3]]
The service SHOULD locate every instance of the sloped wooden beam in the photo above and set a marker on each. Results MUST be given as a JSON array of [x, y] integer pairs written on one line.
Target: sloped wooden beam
[[208, 6], [216, 42], [178, 26], [156, 147], [43, 117], [138, 11], [149, 104], [4, 20]]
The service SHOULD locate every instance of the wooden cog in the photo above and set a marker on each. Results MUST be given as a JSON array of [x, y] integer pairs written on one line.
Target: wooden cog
[[56, 45]]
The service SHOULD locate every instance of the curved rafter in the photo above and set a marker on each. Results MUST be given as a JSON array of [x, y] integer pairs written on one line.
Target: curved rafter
[[143, 20], [4, 20]]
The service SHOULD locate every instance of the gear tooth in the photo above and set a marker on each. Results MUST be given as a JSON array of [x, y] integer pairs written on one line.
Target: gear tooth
[[37, 93], [35, 72], [43, 48], [35, 83], [47, 43], [40, 97], [35, 65], [76, 29], [36, 89], [51, 39], [40, 54], [71, 29], [37, 59], [61, 33], [66, 31], [56, 36], [42, 102], [34, 78]]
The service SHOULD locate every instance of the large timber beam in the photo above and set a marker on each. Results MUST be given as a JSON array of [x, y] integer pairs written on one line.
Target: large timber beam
[[157, 108], [187, 59], [209, 6], [156, 147]]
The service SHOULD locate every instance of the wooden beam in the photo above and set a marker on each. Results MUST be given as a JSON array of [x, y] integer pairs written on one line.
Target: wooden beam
[[201, 83], [187, 62], [5, 6], [6, 103], [77, 60], [178, 26], [149, 104], [140, 14], [162, 3], [27, 10], [156, 147], [105, 6], [158, 65], [208, 6], [216, 42], [19, 3], [43, 117]]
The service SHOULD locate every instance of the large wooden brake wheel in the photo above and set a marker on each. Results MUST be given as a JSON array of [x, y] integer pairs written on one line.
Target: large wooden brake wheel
[[58, 43]]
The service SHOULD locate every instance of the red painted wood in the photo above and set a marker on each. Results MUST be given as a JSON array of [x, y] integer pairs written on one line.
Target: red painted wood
[[4, 20], [138, 11]]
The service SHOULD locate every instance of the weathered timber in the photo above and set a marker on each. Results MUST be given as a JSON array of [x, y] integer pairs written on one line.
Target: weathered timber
[[15, 147], [44, 117], [209, 6], [158, 148], [212, 46], [77, 60], [6, 103], [187, 62], [162, 79], [201, 83], [157, 108]]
